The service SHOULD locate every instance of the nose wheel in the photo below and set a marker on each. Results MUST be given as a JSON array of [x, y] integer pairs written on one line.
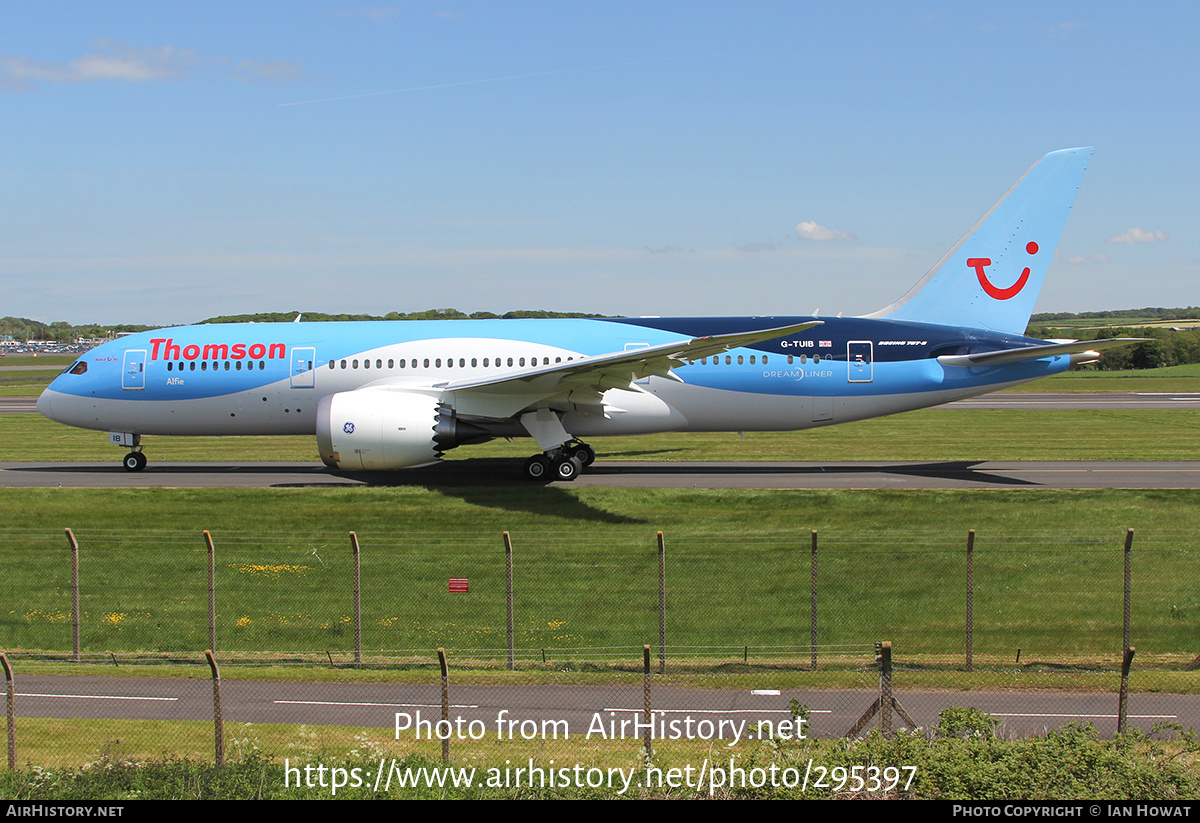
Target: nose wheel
[[134, 462]]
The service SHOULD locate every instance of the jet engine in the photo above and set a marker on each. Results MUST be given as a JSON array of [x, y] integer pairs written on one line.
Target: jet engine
[[375, 429]]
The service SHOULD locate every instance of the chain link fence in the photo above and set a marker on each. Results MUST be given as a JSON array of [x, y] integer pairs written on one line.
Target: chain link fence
[[575, 612]]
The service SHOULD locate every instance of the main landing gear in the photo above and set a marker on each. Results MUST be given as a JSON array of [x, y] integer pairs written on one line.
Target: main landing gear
[[563, 463]]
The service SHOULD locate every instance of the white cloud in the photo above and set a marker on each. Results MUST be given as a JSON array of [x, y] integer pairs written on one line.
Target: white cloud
[[112, 60], [809, 230], [1136, 235]]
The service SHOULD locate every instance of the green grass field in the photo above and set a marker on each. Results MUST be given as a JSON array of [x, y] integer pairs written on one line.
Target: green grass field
[[1048, 568]]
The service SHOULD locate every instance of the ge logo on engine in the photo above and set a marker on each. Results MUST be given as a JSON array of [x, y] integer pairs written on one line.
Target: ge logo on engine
[[348, 428]]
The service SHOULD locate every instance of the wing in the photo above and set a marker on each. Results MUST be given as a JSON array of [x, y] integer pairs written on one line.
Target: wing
[[584, 380], [995, 358]]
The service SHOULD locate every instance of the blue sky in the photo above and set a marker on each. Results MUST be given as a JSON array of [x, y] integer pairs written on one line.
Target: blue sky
[[166, 162]]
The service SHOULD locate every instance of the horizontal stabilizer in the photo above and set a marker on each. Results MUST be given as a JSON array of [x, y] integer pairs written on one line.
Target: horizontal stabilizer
[[996, 358]]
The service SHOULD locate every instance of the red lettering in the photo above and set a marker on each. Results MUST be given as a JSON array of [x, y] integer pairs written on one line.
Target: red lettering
[[168, 349]]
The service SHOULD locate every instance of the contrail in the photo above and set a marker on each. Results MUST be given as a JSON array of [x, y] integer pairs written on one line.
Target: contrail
[[451, 85]]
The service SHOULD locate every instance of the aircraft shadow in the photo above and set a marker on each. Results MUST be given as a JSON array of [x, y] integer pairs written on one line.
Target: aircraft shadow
[[494, 483], [505, 473], [947, 470]]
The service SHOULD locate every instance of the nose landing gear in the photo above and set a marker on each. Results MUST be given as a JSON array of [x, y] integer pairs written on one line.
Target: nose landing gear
[[135, 461]]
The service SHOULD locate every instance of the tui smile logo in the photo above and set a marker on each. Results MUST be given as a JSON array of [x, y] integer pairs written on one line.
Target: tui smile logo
[[980, 263]]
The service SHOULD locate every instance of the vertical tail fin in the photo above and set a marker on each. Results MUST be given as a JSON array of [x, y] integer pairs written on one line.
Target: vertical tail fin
[[992, 276]]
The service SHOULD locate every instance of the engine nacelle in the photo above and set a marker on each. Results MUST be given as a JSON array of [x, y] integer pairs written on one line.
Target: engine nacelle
[[372, 429]]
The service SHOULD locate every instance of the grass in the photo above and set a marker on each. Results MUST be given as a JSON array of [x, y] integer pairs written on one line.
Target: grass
[[1048, 568], [966, 763], [930, 435], [1170, 379]]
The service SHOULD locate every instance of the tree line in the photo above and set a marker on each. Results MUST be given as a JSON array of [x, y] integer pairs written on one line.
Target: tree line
[[1167, 346]]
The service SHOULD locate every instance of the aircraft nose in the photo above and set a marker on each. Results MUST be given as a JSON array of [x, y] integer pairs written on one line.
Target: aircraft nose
[[43, 404]]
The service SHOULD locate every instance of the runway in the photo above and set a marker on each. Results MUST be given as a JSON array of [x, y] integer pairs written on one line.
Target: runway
[[619, 474], [646, 474], [572, 709]]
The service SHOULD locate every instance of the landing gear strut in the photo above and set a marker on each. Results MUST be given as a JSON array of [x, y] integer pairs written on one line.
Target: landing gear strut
[[564, 463], [135, 461]]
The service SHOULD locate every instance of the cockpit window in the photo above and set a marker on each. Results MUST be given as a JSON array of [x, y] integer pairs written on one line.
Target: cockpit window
[[78, 368]]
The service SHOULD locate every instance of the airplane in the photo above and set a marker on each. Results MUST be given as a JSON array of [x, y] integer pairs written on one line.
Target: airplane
[[385, 395]]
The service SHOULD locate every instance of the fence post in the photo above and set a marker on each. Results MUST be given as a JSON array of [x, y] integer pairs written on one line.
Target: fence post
[[357, 602], [885, 688], [1123, 701], [74, 591], [445, 703], [218, 713], [508, 589], [1128, 585], [813, 608], [11, 714], [662, 605], [647, 716], [970, 599], [212, 592]]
